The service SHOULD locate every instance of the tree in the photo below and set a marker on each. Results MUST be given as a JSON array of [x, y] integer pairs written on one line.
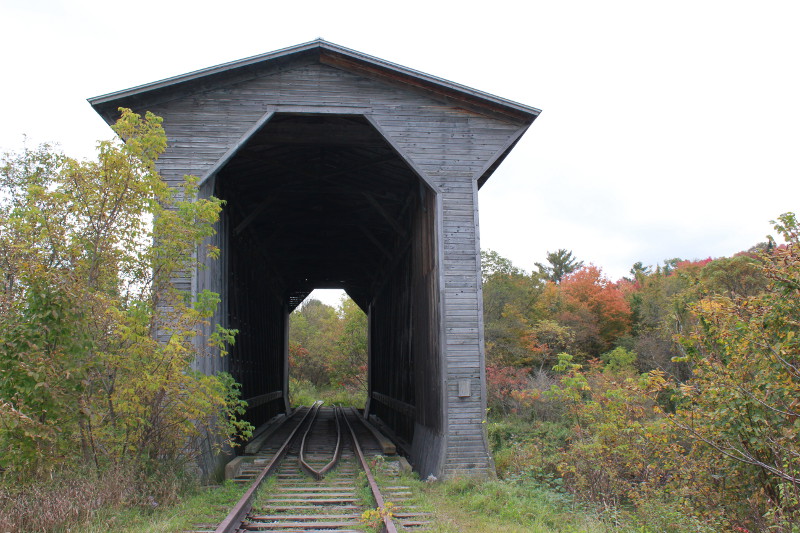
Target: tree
[[328, 347], [87, 252], [509, 286], [493, 263], [595, 309], [740, 275], [639, 271], [509, 300], [548, 338], [314, 330], [561, 263], [743, 404], [659, 306], [350, 367]]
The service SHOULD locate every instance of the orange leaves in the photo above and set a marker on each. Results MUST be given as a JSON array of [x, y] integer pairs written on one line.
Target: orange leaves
[[595, 308]]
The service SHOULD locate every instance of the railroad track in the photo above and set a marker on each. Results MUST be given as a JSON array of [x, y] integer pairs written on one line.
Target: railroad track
[[313, 464]]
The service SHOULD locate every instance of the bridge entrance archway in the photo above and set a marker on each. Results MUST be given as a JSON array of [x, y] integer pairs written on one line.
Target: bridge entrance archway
[[324, 201]]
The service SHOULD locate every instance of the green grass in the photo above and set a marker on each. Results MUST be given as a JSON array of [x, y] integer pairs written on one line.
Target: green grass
[[206, 506], [501, 506], [464, 505]]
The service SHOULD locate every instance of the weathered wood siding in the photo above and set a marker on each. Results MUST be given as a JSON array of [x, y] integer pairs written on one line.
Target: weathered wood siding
[[448, 146], [254, 306], [212, 276], [405, 336]]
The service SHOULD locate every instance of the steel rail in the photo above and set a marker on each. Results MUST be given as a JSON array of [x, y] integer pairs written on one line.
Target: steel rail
[[388, 525], [233, 521], [319, 474], [337, 454], [300, 455]]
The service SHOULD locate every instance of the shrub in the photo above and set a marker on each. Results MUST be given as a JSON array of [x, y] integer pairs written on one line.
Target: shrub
[[96, 343], [501, 382]]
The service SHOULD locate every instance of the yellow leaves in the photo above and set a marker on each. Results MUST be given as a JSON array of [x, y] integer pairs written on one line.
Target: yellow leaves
[[656, 380], [687, 389], [374, 517], [526, 396], [212, 252], [710, 306], [91, 248]]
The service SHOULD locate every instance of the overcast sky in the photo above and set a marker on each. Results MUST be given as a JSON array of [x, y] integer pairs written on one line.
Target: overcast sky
[[668, 129]]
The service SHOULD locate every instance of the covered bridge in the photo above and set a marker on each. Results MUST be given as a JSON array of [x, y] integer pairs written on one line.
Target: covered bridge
[[341, 170]]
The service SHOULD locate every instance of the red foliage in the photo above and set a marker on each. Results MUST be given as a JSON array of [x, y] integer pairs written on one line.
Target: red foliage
[[501, 381], [296, 353], [595, 308], [628, 287], [692, 265]]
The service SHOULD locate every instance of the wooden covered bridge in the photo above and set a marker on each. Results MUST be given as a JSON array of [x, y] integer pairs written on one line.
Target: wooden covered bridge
[[341, 170]]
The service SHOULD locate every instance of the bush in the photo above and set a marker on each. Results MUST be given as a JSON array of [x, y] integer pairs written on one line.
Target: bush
[[96, 342], [501, 382], [302, 392]]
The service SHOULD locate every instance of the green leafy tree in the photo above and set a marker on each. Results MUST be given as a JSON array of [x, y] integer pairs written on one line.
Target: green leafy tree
[[314, 330], [350, 367], [493, 263], [659, 306], [560, 263], [509, 305], [741, 275], [639, 271], [619, 359], [95, 341]]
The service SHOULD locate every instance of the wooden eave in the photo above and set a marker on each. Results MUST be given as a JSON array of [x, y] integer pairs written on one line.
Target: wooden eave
[[340, 57]]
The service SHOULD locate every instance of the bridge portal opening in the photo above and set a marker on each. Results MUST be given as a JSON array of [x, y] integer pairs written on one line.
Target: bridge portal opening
[[324, 201]]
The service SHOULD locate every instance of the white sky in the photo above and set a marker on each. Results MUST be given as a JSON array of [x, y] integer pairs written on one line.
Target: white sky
[[668, 128]]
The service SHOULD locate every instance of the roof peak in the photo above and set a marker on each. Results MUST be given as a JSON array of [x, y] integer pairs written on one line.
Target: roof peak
[[347, 58]]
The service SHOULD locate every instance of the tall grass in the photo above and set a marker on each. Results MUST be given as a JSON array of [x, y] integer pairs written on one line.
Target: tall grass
[[71, 497]]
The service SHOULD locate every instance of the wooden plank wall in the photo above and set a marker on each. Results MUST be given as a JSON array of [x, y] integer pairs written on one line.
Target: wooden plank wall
[[392, 364], [212, 276], [429, 427], [448, 146], [257, 359], [405, 373]]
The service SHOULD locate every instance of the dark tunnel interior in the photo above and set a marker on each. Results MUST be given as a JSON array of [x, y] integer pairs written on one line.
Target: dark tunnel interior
[[324, 201]]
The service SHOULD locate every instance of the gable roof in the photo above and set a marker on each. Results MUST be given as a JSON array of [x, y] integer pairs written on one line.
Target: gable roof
[[337, 56]]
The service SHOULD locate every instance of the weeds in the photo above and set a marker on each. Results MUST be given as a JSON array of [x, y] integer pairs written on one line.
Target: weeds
[[72, 497], [303, 392]]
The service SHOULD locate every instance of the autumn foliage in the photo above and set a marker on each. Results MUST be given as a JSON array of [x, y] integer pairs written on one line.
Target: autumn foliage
[[595, 308], [668, 399], [328, 347]]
